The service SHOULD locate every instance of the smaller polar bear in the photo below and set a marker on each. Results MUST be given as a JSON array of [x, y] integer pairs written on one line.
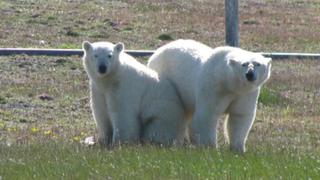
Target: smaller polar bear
[[129, 101], [212, 82]]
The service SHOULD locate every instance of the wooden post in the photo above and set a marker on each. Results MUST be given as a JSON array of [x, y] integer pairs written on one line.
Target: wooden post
[[231, 8]]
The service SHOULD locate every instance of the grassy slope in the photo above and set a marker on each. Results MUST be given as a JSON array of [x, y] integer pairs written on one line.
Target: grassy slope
[[44, 110], [75, 162]]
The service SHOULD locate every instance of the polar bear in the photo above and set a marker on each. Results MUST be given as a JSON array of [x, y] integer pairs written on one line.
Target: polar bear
[[212, 82], [130, 103]]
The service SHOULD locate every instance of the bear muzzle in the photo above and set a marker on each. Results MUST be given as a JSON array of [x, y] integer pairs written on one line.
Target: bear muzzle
[[102, 68], [251, 75]]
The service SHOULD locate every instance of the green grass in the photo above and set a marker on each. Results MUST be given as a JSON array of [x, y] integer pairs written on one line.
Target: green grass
[[69, 46], [3, 100], [72, 161], [270, 97]]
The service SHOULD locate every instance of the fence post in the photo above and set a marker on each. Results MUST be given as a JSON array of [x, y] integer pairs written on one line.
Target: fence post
[[231, 8]]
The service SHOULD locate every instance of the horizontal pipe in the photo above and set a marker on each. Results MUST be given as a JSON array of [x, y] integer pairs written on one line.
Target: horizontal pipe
[[139, 53], [40, 52], [135, 53], [61, 52], [276, 55]]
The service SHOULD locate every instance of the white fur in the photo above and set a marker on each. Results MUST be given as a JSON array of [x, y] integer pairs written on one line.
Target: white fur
[[129, 101], [212, 82]]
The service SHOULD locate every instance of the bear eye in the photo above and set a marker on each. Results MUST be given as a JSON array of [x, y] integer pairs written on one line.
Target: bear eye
[[96, 55], [245, 64], [109, 56], [258, 64]]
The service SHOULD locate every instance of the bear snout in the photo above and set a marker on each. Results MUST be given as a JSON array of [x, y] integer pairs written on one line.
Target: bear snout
[[250, 75], [102, 68]]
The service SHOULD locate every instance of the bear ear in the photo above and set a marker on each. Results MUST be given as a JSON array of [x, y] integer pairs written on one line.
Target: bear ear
[[232, 62], [86, 45], [119, 47], [268, 60]]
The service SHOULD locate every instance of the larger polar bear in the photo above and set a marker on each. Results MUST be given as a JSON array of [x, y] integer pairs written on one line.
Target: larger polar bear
[[129, 101], [212, 82]]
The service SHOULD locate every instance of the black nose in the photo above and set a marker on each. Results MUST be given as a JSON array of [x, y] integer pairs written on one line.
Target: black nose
[[102, 69], [250, 75]]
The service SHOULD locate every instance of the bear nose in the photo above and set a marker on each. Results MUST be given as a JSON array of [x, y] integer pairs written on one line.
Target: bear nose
[[250, 75], [102, 69]]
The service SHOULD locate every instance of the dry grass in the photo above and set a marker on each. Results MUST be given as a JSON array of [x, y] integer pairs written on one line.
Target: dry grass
[[265, 25], [42, 100], [46, 98]]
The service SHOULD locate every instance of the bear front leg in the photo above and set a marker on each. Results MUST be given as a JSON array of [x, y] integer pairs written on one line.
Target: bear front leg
[[241, 117], [209, 107], [204, 122], [204, 127], [238, 129], [100, 115]]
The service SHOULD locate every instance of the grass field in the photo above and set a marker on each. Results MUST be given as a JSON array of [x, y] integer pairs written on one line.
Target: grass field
[[44, 105]]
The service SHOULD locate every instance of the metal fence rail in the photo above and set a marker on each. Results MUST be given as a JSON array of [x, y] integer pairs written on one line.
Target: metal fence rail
[[277, 55], [60, 52], [135, 53]]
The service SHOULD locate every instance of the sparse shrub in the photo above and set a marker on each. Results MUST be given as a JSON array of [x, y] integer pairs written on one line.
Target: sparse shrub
[[72, 33], [270, 97], [3, 100], [68, 46], [165, 37]]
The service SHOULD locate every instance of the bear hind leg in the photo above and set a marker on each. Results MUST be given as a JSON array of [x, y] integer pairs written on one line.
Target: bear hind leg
[[126, 128], [167, 126]]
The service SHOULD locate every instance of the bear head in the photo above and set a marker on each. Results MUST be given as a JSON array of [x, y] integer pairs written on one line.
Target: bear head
[[101, 58], [251, 69]]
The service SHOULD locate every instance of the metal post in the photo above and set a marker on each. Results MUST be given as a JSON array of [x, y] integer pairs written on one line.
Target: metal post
[[232, 22]]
